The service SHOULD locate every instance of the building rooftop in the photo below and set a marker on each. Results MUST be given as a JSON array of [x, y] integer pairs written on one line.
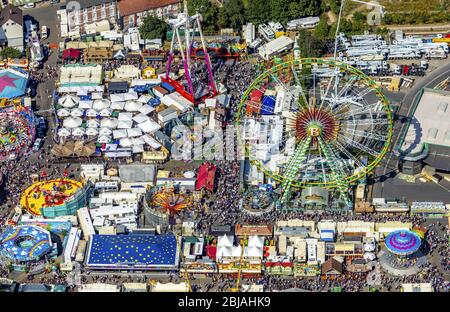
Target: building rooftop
[[129, 7], [11, 12]]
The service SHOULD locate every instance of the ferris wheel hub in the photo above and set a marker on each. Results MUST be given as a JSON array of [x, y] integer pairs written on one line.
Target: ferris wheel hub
[[315, 122]]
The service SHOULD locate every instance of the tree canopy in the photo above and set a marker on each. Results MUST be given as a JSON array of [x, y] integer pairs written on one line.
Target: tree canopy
[[10, 52], [153, 28]]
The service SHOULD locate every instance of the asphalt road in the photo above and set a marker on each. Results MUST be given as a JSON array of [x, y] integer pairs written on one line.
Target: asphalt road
[[390, 186]]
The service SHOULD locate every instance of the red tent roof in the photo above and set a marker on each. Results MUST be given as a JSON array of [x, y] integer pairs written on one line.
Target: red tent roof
[[205, 177], [71, 53], [211, 251], [256, 95]]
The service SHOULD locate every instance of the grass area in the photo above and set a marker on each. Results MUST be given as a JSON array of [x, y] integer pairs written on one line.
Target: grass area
[[409, 6]]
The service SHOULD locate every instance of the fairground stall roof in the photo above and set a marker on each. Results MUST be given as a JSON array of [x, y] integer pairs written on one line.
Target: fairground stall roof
[[151, 252], [402, 242], [12, 83], [25, 243]]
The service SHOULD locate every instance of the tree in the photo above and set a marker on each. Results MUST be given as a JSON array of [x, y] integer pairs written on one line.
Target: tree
[[258, 11], [153, 28], [232, 14], [310, 46], [10, 52], [322, 29], [207, 9]]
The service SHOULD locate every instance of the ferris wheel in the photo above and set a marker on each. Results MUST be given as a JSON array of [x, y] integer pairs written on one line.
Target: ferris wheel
[[327, 125]]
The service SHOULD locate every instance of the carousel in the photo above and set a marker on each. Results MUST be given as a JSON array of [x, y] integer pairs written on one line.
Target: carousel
[[16, 133], [402, 255], [258, 201], [48, 193], [166, 200]]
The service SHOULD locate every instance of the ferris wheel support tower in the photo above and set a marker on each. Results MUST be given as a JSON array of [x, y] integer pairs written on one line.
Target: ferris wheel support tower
[[191, 25]]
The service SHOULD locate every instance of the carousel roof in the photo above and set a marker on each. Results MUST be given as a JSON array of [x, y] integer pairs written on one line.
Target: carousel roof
[[402, 242]]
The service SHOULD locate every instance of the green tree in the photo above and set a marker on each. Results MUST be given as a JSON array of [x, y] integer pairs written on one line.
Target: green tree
[[10, 52], [322, 29], [153, 28], [310, 46], [207, 9], [258, 11], [232, 14]]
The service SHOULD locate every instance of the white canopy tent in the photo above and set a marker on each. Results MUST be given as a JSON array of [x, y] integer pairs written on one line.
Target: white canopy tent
[[72, 122], [106, 112], [103, 139], [126, 142], [140, 118], [138, 141], [131, 95], [91, 132], [138, 149], [132, 106], [152, 142], [69, 101], [134, 132], [125, 124], [101, 104], [109, 123], [146, 109], [105, 132], [63, 132], [85, 104], [78, 132], [119, 97], [76, 112], [93, 123], [145, 98], [119, 105], [149, 126], [120, 134], [125, 117], [63, 112], [91, 113], [97, 95]]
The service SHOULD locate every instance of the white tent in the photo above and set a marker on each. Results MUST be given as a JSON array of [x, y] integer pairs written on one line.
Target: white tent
[[146, 109], [149, 126], [63, 112], [120, 134], [256, 241], [138, 149], [104, 139], [72, 122], [151, 141], [237, 251], [91, 131], [97, 95], [78, 132], [63, 132], [134, 132], [85, 104], [125, 116], [101, 104], [117, 97], [223, 251], [105, 132], [131, 95], [140, 118], [69, 101], [91, 113], [138, 141], [126, 142], [109, 123], [369, 247], [132, 106], [254, 252], [118, 105], [93, 123], [76, 112], [125, 124], [144, 98], [106, 112], [225, 240]]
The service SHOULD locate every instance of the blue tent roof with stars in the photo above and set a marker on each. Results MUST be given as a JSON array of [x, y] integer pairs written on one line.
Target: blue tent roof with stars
[[129, 251]]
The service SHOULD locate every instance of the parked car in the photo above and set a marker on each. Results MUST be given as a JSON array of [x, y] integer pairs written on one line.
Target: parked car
[[53, 2], [44, 32], [37, 144], [29, 5]]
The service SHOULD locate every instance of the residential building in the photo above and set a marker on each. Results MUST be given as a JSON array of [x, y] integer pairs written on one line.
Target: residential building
[[90, 13], [11, 31], [133, 12]]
